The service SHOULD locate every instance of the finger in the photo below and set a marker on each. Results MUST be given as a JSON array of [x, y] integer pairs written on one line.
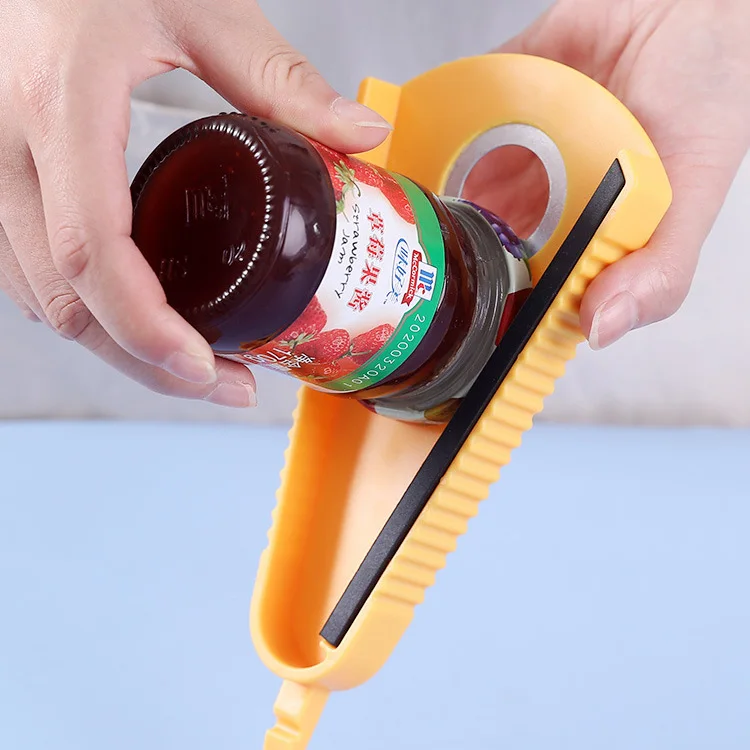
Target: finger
[[651, 284], [10, 291], [64, 311], [240, 54], [87, 210], [23, 218], [69, 316], [235, 385], [8, 259], [11, 174], [567, 33]]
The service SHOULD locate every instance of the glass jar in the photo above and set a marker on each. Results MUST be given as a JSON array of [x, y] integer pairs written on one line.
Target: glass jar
[[355, 280]]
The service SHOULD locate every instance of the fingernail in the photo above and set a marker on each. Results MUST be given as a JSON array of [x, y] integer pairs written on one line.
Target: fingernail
[[613, 320], [31, 315], [191, 367], [233, 394], [358, 114]]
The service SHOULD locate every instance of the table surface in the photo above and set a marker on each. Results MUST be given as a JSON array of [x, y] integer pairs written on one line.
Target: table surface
[[599, 600]]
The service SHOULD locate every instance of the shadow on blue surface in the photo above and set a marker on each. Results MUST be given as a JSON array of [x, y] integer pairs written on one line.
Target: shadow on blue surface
[[598, 601]]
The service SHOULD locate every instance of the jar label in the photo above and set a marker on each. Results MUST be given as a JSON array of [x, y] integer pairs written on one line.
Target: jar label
[[518, 287], [380, 292]]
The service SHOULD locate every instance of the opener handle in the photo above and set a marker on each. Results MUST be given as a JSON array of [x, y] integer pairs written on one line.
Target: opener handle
[[297, 709]]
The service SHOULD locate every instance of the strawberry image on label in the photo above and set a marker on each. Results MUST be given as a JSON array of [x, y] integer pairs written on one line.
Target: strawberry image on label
[[367, 345], [306, 327], [328, 346]]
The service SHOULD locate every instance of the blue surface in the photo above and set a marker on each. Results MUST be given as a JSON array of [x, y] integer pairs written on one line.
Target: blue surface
[[600, 599]]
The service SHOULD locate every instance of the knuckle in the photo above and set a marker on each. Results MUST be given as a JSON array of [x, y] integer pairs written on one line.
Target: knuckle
[[284, 68], [71, 248], [39, 88], [68, 315]]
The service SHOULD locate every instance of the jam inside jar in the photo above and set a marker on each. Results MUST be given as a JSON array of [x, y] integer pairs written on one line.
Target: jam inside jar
[[355, 280]]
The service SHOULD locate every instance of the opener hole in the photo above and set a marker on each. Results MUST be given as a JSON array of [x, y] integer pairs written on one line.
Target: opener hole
[[512, 182]]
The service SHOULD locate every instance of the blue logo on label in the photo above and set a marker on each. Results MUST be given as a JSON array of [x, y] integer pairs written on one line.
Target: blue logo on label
[[400, 275]]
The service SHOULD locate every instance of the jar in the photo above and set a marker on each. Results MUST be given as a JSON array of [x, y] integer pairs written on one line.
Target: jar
[[357, 281]]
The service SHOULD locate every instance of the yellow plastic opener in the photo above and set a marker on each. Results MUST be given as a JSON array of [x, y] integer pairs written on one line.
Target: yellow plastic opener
[[369, 507]]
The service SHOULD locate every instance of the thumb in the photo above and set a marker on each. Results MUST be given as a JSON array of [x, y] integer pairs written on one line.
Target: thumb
[[651, 284], [240, 54]]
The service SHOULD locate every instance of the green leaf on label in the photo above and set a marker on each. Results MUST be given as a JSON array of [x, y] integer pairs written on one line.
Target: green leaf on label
[[345, 174], [303, 338]]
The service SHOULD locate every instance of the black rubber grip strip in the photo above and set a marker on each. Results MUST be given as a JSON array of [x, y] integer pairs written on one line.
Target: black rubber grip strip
[[473, 405]]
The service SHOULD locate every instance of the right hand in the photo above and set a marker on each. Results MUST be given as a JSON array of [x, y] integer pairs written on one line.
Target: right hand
[[66, 256], [683, 68]]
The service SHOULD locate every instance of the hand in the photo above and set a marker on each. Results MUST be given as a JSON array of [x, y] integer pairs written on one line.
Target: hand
[[682, 67], [66, 256]]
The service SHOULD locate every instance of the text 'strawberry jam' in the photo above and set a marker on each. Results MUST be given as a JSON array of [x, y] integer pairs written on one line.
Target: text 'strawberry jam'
[[355, 280]]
